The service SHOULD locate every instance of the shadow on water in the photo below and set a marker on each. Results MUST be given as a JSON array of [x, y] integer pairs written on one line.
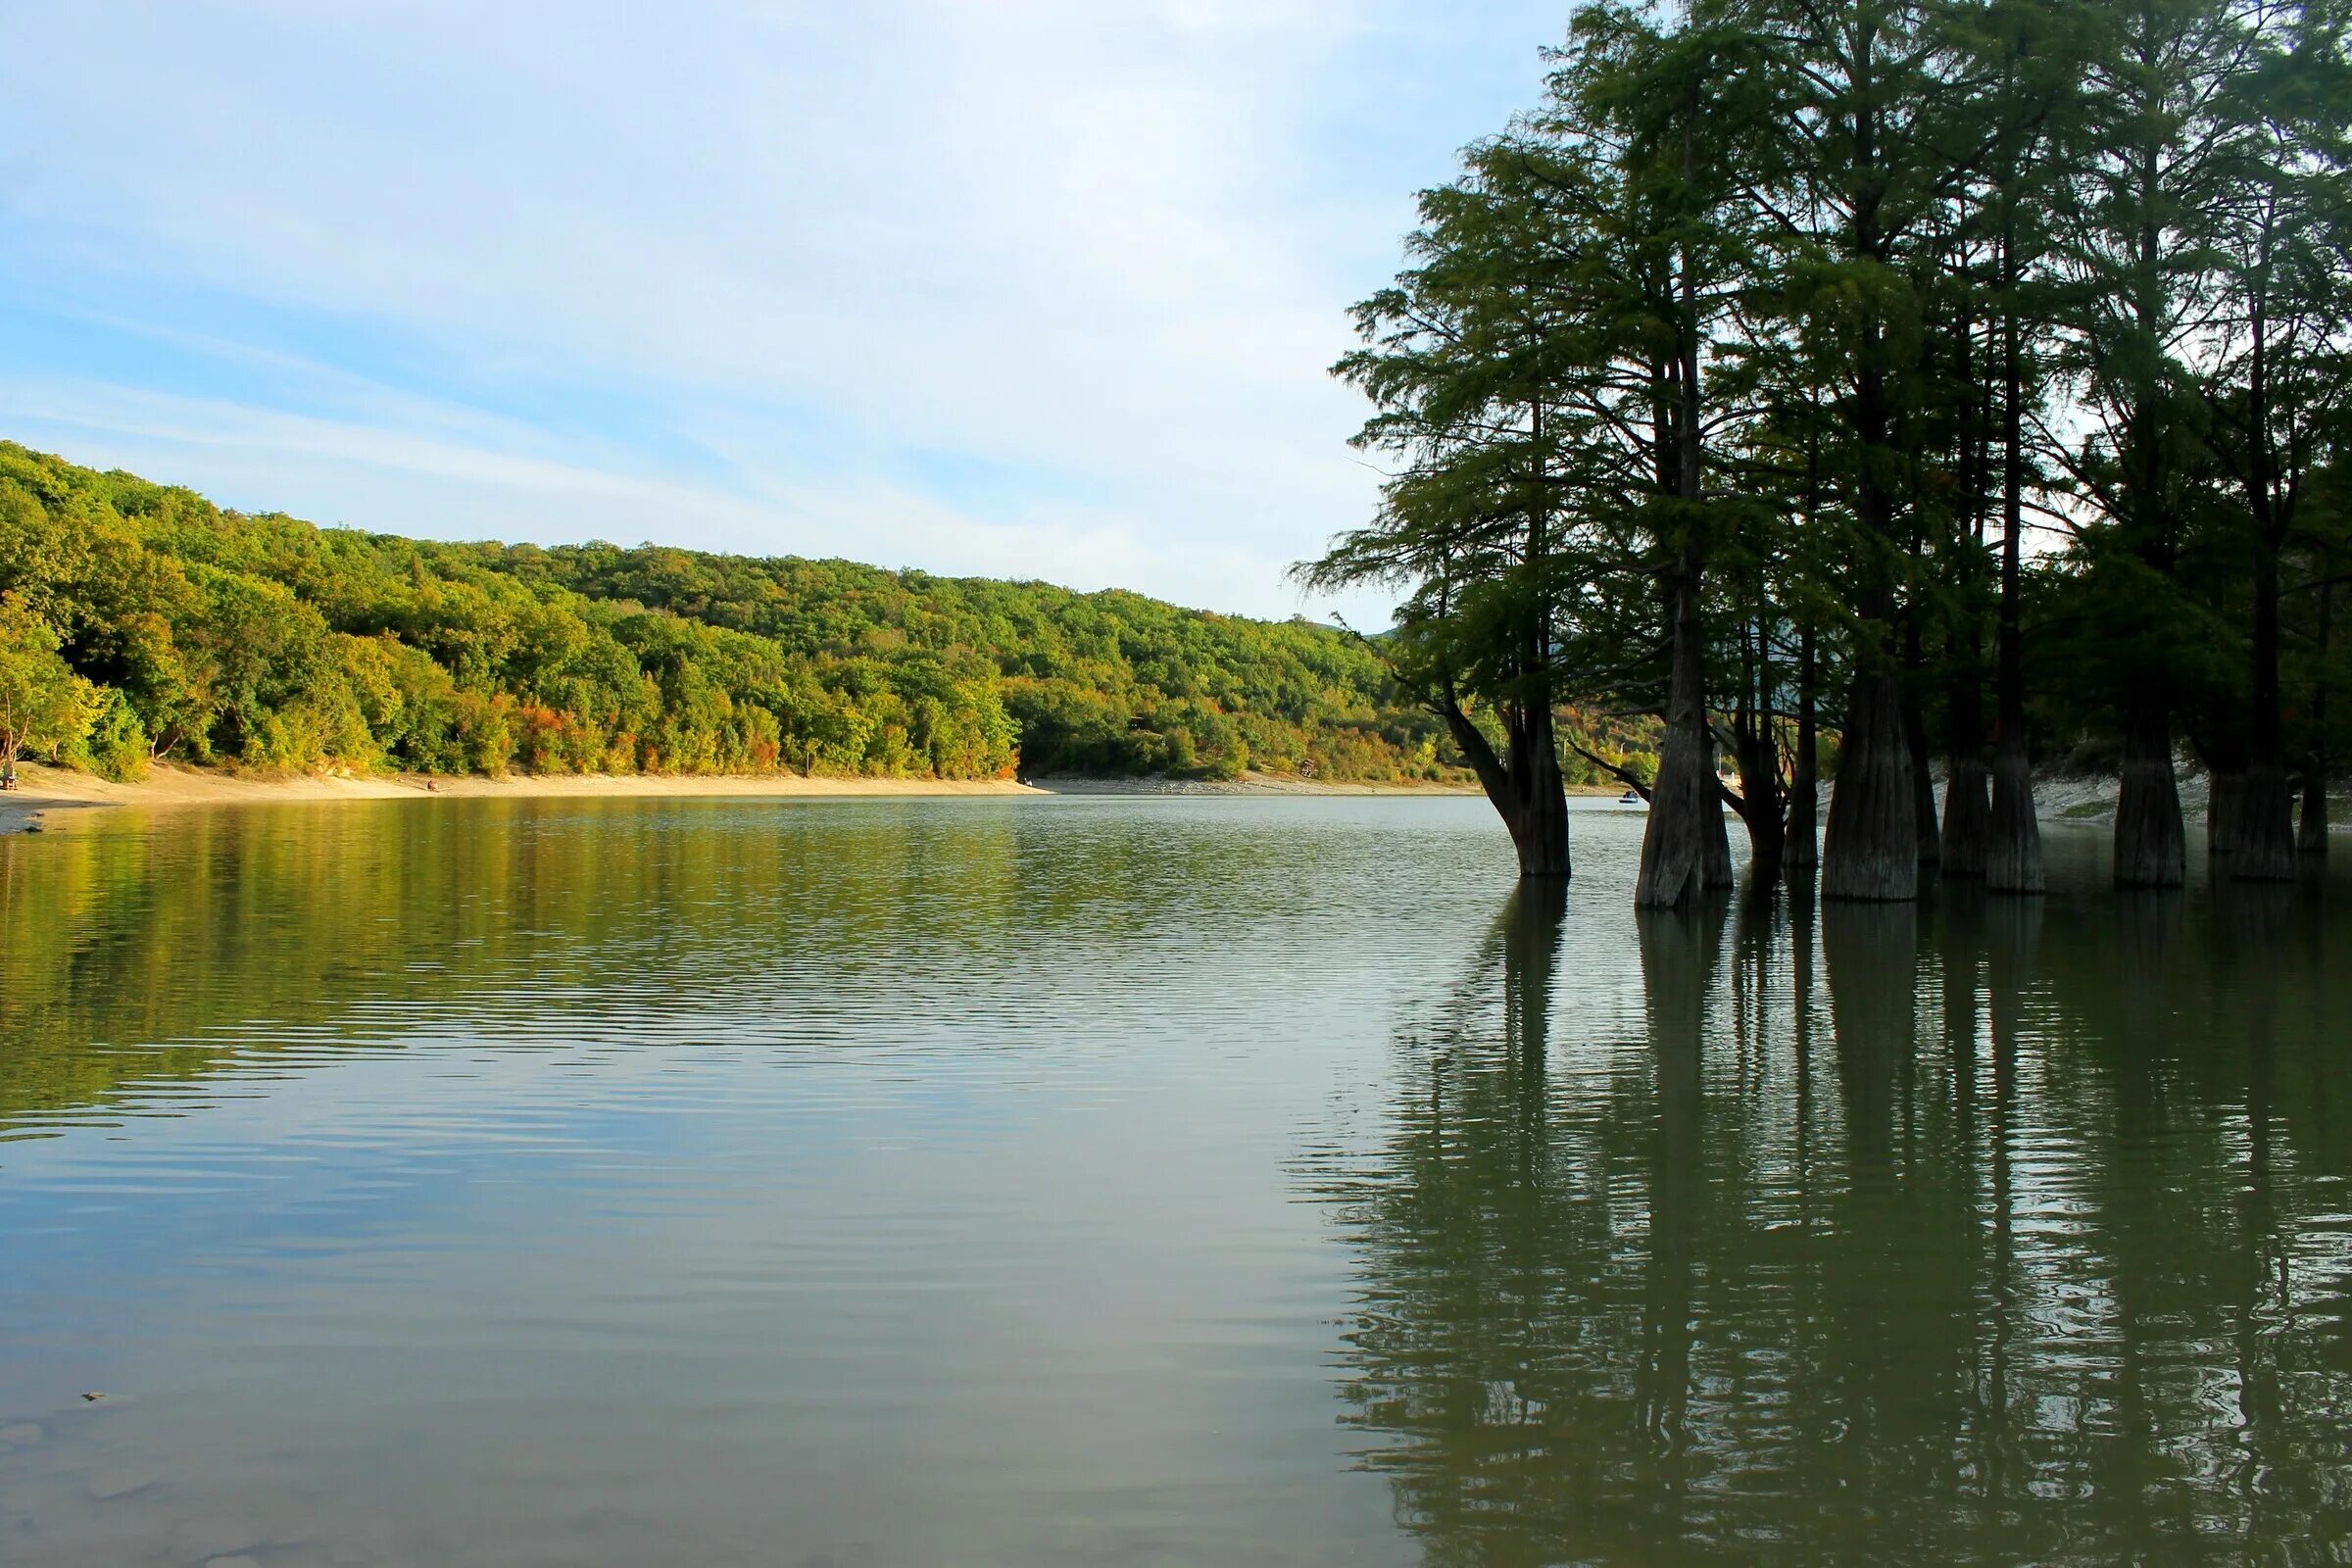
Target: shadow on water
[[1987, 1230]]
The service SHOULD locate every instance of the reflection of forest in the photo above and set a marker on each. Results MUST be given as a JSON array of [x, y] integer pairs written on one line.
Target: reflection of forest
[[1964, 1232], [144, 955], [139, 954]]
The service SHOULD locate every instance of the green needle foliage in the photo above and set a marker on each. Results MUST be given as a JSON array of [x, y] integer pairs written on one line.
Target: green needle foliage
[[1921, 381]]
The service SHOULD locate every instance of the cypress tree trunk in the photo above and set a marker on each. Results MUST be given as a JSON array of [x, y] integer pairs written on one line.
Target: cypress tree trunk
[[1763, 799], [2266, 826], [1684, 813], [1684, 848], [1967, 816], [1925, 832], [1542, 839], [1523, 788], [1871, 850], [1717, 869], [2013, 851], [2311, 833], [2150, 842], [2311, 829], [1526, 785], [2224, 811], [1800, 843], [1929, 839], [1760, 805], [1967, 807], [1543, 836], [2265, 834], [1693, 849], [1767, 846], [1966, 796]]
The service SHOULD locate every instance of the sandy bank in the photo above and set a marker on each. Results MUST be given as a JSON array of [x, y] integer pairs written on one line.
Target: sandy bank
[[2090, 800], [47, 792], [1246, 784]]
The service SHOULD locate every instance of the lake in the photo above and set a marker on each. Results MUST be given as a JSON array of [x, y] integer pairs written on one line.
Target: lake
[[1167, 1180]]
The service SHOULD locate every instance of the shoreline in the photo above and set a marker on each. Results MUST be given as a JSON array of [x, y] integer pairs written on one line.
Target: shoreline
[[48, 796], [1246, 784], [2088, 801]]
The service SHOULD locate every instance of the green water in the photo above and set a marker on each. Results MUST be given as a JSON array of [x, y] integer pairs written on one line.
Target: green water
[[1145, 1181]]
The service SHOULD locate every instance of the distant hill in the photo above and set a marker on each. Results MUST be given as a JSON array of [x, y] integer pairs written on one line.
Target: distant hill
[[215, 636]]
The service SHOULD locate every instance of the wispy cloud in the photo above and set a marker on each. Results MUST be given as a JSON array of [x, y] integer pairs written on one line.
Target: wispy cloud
[[1038, 287]]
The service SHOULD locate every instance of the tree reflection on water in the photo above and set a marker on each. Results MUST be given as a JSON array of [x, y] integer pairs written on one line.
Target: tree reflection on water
[[1963, 1231]]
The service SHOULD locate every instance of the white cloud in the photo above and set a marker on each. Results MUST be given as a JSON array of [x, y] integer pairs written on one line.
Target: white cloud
[[805, 250], [491, 486]]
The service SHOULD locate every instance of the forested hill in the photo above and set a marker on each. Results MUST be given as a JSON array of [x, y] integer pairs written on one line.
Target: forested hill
[[168, 626]]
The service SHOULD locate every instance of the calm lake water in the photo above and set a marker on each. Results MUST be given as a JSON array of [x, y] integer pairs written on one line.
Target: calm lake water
[[1084, 1181]]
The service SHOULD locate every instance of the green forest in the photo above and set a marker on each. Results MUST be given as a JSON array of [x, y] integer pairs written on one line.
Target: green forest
[[1969, 380], [141, 622]]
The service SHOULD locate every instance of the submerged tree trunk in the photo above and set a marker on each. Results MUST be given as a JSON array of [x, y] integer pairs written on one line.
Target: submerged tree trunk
[[1767, 843], [2013, 846], [1717, 871], [1524, 787], [2150, 842], [1685, 810], [2266, 828], [2223, 740], [1539, 830], [2013, 836], [1684, 848], [1967, 816], [1542, 840], [1761, 807], [1871, 850], [2265, 837], [1929, 838], [2310, 832], [1800, 846], [1925, 832], [1966, 805], [2311, 828], [2224, 811], [1756, 749]]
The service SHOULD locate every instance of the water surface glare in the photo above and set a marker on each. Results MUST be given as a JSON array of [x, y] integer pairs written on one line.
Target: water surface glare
[[1171, 1180]]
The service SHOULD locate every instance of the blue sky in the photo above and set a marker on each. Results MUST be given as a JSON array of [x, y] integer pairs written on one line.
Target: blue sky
[[1036, 288]]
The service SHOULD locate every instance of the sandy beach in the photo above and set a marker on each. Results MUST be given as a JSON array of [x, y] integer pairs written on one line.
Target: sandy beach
[[49, 797], [1246, 784]]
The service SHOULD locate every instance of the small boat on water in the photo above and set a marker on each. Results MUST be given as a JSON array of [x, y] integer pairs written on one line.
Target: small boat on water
[[1630, 798]]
